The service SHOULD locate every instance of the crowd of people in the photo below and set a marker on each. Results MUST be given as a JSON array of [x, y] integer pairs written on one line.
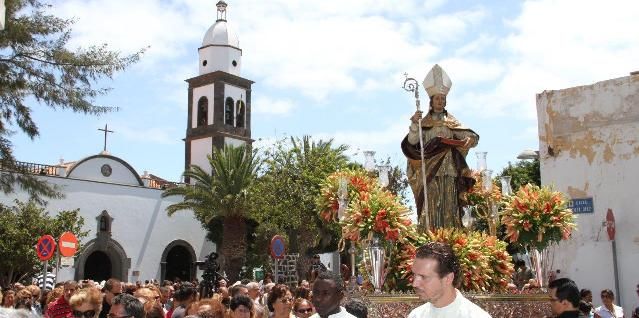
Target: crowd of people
[[243, 299], [436, 273]]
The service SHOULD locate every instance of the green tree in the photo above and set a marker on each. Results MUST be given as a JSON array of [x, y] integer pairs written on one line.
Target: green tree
[[38, 68], [522, 172], [21, 226], [223, 193], [284, 195]]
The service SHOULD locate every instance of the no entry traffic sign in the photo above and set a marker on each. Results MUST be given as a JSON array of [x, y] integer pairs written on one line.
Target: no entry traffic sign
[[45, 247], [68, 244], [278, 247]]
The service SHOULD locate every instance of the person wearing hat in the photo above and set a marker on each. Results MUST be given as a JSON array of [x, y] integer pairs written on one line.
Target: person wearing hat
[[445, 145]]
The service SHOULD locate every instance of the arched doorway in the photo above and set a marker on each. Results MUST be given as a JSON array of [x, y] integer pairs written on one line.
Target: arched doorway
[[102, 256], [98, 267], [178, 260], [178, 263]]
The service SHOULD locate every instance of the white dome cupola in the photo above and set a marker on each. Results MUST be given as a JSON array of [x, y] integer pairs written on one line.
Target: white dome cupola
[[220, 49]]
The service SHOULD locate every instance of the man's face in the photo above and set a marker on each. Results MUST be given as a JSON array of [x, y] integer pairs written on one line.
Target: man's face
[[588, 298], [69, 289], [254, 292], [557, 306], [426, 281], [116, 289], [326, 298]]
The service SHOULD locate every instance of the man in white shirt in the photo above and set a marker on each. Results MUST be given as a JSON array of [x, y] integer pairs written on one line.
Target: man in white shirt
[[436, 273], [328, 291]]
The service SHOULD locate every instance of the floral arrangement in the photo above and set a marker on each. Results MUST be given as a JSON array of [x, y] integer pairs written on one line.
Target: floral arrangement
[[536, 217], [485, 264], [372, 211], [375, 212]]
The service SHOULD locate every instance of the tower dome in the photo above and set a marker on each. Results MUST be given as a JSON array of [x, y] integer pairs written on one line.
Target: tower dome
[[220, 33], [220, 49]]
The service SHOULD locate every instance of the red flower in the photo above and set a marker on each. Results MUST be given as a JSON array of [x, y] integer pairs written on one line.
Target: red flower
[[547, 207], [392, 234], [380, 223], [521, 207], [527, 225], [335, 205], [406, 222]]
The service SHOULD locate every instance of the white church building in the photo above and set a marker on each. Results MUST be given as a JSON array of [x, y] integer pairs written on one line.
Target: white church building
[[131, 237]]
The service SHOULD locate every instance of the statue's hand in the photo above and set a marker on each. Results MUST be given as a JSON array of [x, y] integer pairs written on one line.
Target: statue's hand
[[467, 142], [416, 117]]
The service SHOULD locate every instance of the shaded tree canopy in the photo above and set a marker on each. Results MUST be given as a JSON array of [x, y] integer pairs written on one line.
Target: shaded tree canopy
[[522, 172], [21, 226], [38, 68]]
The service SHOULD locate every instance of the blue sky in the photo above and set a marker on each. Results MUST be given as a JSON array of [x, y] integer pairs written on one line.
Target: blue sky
[[334, 69]]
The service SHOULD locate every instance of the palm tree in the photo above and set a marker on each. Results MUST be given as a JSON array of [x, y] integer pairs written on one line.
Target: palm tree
[[223, 193]]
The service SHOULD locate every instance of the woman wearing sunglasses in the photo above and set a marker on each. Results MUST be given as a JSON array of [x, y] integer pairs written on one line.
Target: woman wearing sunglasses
[[86, 303], [280, 301], [302, 308]]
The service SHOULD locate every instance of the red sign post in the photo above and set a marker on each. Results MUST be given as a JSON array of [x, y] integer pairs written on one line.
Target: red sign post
[[68, 244], [610, 225]]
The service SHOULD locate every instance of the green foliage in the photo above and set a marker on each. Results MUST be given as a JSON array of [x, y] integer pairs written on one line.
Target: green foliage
[[220, 200], [20, 228], [522, 173], [38, 68], [283, 198]]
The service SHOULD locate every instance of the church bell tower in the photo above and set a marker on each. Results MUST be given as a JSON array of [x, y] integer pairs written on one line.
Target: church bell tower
[[219, 99]]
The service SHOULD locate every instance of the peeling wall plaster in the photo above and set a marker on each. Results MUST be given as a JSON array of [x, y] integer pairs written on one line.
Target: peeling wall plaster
[[589, 147]]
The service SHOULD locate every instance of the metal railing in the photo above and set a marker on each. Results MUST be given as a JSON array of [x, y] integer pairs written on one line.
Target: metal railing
[[36, 168]]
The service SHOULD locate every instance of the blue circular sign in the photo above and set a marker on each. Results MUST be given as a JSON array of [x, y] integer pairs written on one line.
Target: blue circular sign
[[278, 247], [45, 247]]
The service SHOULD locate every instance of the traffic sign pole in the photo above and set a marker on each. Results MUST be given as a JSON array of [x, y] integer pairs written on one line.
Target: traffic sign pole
[[44, 276]]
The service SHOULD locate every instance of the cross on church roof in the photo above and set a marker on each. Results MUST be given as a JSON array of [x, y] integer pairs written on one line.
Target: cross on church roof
[[106, 130]]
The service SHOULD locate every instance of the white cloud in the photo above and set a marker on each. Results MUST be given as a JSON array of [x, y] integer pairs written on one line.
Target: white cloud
[[267, 105], [552, 45]]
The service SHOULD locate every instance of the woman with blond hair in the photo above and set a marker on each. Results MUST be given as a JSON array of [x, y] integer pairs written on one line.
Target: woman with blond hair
[[86, 303]]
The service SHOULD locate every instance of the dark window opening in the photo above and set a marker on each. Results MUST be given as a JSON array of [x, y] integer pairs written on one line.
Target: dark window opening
[[202, 111], [228, 111], [240, 111]]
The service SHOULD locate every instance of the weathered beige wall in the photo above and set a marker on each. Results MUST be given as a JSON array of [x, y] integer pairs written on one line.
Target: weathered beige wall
[[589, 147]]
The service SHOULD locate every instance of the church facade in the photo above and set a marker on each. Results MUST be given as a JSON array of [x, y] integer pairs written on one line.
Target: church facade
[[131, 237]]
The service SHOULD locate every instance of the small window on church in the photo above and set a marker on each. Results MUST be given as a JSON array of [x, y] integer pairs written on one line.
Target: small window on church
[[234, 63], [228, 111], [240, 111], [204, 63], [202, 111]]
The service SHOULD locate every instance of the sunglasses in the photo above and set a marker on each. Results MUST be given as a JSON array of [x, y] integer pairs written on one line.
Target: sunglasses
[[286, 300], [84, 314], [304, 310]]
